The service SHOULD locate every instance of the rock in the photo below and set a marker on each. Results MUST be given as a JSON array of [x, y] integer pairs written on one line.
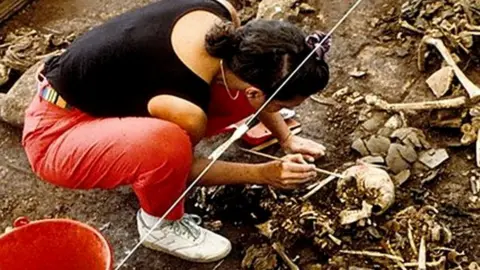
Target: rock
[[340, 93], [408, 153], [357, 73], [378, 145], [276, 10], [375, 122], [359, 146], [306, 8], [260, 258], [401, 177], [394, 122], [385, 132], [441, 81], [373, 159], [411, 136], [15, 102], [433, 157], [401, 52], [394, 159]]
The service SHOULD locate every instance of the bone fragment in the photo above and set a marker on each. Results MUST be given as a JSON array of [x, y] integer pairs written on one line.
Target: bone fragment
[[320, 184], [323, 101], [411, 240], [472, 90], [410, 27], [334, 239], [376, 101], [477, 149], [434, 264], [281, 251], [372, 254], [390, 249], [472, 27], [422, 255]]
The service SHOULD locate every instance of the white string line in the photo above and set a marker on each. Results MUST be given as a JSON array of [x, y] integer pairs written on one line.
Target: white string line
[[215, 157]]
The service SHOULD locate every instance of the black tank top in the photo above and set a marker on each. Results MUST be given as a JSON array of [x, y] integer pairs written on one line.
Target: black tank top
[[114, 69]]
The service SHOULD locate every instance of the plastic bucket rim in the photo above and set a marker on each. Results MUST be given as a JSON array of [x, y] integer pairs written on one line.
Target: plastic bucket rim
[[74, 222]]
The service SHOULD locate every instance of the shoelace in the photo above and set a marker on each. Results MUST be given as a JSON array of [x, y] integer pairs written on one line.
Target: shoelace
[[188, 226]]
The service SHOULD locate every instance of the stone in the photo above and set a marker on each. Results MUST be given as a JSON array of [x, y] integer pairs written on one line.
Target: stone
[[441, 81], [373, 159], [340, 93], [16, 101], [433, 158], [411, 136], [401, 177], [276, 9], [378, 145], [408, 153], [357, 73], [385, 132], [375, 122], [394, 122], [395, 162], [359, 146], [401, 52], [306, 8]]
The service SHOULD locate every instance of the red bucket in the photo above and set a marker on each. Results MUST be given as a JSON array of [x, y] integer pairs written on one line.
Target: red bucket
[[54, 244]]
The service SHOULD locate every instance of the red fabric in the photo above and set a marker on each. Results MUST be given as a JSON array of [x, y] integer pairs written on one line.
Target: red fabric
[[71, 149], [224, 111]]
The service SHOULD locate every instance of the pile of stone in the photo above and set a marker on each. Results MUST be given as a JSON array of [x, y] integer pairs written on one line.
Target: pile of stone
[[402, 149]]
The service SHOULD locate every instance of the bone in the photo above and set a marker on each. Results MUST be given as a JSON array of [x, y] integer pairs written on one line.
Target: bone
[[477, 149], [472, 90], [422, 255], [411, 240], [372, 254], [433, 264], [281, 251], [376, 101], [390, 249], [334, 239]]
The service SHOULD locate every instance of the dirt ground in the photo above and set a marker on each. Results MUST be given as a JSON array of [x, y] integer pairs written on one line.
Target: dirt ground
[[355, 45]]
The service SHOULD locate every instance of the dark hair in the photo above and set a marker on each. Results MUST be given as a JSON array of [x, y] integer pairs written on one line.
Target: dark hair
[[263, 53]]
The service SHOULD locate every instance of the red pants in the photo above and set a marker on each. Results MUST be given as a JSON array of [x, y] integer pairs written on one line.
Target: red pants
[[71, 149]]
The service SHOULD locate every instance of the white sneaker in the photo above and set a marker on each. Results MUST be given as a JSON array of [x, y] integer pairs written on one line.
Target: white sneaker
[[185, 239]]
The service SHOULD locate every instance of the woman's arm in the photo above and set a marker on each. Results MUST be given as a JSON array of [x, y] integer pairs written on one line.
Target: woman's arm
[[287, 173], [227, 173], [276, 124], [185, 114]]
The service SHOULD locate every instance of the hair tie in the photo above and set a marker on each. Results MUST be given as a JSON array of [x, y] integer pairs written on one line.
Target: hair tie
[[314, 39]]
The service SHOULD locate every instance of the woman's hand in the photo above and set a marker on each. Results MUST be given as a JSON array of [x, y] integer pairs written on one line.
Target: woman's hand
[[292, 171], [308, 148]]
